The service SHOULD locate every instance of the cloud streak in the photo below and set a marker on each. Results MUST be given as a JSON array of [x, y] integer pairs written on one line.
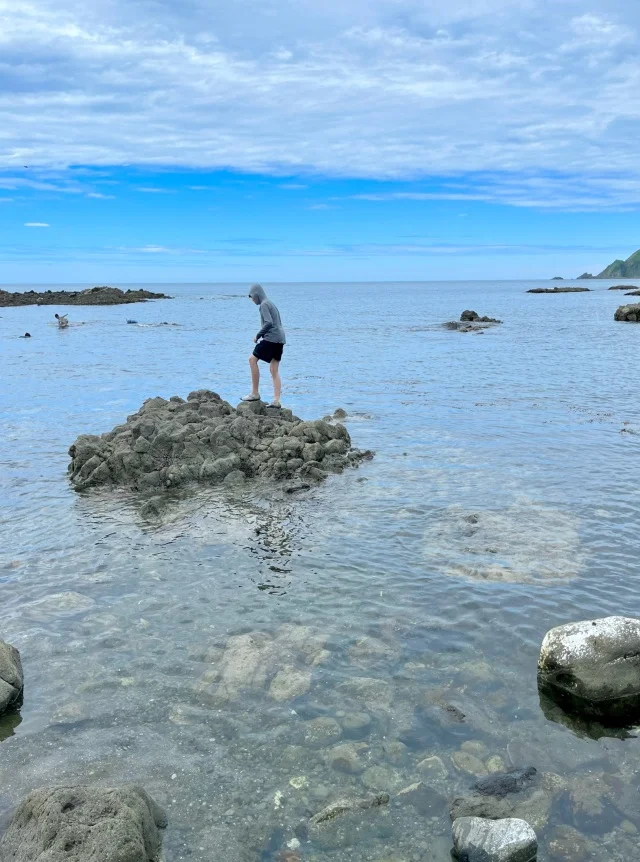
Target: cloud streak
[[387, 89]]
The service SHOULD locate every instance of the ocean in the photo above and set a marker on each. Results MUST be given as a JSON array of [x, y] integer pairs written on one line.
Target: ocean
[[408, 597]]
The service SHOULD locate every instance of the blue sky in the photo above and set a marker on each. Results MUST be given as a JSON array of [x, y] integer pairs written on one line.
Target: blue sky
[[166, 141]]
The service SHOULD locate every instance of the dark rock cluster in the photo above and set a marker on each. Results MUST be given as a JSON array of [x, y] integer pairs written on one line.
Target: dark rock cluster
[[629, 313], [92, 296], [204, 439], [561, 289]]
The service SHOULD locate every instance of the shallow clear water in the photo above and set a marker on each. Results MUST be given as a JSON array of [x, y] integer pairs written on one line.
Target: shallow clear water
[[502, 501]]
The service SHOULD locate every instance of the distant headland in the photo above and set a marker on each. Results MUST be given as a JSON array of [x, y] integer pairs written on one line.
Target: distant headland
[[629, 268], [92, 296]]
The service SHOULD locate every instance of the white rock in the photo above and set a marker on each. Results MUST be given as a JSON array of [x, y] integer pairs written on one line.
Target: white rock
[[593, 667], [478, 840]]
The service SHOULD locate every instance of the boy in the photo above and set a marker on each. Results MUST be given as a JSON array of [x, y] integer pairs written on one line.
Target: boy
[[269, 342], [62, 320]]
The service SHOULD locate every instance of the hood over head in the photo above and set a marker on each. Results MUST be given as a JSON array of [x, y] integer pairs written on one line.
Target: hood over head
[[257, 293]]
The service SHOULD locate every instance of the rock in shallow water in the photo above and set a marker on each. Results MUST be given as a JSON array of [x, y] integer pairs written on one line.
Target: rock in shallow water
[[203, 439], [628, 313], [593, 668], [85, 824], [11, 679], [509, 840]]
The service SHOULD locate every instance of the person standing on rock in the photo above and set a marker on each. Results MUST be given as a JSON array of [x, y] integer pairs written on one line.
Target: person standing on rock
[[269, 342]]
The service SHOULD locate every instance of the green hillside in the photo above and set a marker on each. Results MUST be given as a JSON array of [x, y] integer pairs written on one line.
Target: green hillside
[[629, 268]]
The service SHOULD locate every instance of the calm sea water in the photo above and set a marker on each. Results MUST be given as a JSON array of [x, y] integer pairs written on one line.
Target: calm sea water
[[503, 500]]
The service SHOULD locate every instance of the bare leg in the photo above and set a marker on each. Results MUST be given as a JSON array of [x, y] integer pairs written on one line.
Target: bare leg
[[255, 375], [274, 367]]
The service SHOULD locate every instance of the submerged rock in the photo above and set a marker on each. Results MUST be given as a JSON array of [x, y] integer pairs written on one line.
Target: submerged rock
[[593, 668], [281, 663], [525, 542], [85, 824], [509, 840], [633, 293], [203, 439], [347, 805], [11, 677], [628, 313], [470, 321], [518, 792]]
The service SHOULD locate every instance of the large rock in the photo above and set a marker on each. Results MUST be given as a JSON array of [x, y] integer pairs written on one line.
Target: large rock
[[509, 840], [203, 439], [628, 313], [11, 678], [84, 824], [474, 316], [593, 668]]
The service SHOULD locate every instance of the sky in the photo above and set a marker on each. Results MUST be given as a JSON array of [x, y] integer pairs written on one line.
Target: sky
[[291, 140]]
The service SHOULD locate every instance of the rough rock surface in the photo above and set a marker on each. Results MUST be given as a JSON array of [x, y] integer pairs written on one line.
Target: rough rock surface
[[84, 824], [593, 668], [630, 313], [470, 321], [92, 296], [560, 289], [478, 840], [204, 439], [11, 679], [623, 287], [633, 293], [474, 316]]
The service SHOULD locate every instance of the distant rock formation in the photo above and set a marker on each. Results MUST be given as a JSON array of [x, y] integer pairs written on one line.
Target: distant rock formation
[[628, 313], [557, 278], [92, 296], [633, 293], [622, 287], [629, 268], [203, 439], [560, 289]]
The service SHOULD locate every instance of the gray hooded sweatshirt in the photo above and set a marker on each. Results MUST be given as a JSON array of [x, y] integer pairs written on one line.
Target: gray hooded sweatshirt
[[271, 329]]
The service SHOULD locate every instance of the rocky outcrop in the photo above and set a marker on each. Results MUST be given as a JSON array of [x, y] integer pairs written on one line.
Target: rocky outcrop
[[475, 317], [478, 840], [203, 439], [592, 668], [92, 296], [629, 268], [85, 824], [622, 287], [11, 678], [561, 289], [470, 321], [633, 293], [629, 313]]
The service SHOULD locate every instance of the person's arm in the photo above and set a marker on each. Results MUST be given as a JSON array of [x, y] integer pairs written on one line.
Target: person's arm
[[267, 321]]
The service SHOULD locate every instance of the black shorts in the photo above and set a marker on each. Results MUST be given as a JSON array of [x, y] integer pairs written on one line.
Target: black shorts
[[268, 350]]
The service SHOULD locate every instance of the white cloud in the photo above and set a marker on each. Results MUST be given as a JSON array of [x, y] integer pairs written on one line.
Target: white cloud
[[152, 190], [384, 89], [100, 196], [36, 224]]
